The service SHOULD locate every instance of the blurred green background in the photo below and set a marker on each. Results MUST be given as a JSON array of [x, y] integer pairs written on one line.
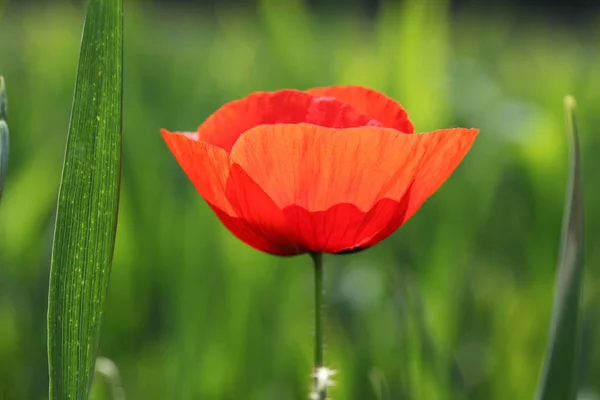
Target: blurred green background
[[455, 305]]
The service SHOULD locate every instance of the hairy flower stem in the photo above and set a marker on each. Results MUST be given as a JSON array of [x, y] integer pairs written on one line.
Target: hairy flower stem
[[3, 135], [320, 387]]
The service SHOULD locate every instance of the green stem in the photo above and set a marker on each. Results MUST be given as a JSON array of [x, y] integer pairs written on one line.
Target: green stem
[[4, 140], [320, 389]]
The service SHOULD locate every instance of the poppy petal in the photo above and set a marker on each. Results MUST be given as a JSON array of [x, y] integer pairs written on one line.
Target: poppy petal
[[317, 169], [445, 151], [370, 102], [241, 205], [342, 227], [261, 223], [224, 127], [205, 165]]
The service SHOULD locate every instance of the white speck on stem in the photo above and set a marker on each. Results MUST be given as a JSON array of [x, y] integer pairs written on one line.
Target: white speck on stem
[[323, 381]]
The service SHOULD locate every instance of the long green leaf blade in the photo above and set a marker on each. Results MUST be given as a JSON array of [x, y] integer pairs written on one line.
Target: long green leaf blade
[[3, 135], [559, 376], [88, 200]]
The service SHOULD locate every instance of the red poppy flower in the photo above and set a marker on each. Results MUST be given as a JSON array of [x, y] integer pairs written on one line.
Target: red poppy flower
[[331, 169]]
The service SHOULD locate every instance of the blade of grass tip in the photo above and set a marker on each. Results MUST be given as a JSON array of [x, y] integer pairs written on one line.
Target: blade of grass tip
[[3, 135], [108, 369], [559, 376], [379, 384], [86, 219]]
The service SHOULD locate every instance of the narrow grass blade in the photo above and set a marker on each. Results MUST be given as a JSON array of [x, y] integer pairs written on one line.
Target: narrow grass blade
[[559, 376], [108, 371], [3, 135], [88, 200]]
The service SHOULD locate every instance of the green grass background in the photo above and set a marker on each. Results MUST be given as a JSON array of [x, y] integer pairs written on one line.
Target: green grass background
[[455, 305]]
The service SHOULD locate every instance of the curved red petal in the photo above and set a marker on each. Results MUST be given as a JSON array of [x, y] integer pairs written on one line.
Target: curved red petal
[[261, 223], [241, 205], [316, 167], [205, 165], [224, 127], [444, 151], [307, 169], [343, 227], [370, 102]]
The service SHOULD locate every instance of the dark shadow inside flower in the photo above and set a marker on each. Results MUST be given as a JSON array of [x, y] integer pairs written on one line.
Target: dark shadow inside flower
[[351, 251]]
